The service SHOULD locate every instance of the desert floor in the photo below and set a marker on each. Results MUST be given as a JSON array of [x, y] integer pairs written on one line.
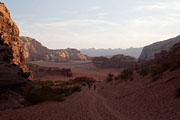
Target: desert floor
[[79, 69], [140, 99]]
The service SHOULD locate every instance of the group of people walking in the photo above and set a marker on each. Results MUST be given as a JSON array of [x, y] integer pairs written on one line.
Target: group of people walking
[[91, 85]]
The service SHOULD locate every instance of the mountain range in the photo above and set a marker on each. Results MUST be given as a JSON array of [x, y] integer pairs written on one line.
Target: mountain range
[[135, 52]]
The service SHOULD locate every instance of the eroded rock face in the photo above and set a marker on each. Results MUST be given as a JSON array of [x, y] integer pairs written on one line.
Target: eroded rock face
[[13, 76], [117, 61], [34, 51], [149, 52], [10, 43]]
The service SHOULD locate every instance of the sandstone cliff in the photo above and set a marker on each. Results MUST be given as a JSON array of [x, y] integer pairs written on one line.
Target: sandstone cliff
[[13, 76], [117, 61], [34, 51], [149, 51], [10, 43]]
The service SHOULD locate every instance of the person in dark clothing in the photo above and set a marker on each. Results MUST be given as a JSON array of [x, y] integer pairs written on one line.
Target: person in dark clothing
[[89, 86], [94, 87]]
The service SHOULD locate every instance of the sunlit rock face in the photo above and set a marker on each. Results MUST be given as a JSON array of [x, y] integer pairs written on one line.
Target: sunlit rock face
[[34, 51], [10, 43], [14, 73], [149, 52]]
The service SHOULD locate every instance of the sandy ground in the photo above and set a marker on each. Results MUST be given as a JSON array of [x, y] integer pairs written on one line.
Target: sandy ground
[[79, 69], [86, 105], [140, 99]]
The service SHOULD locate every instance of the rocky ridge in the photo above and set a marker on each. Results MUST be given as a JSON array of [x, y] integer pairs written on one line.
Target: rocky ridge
[[117, 61], [35, 51], [150, 50]]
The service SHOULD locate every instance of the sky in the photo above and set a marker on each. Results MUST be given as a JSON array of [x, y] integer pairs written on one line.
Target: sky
[[96, 23]]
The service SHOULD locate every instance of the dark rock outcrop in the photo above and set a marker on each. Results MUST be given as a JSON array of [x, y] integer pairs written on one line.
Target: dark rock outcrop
[[35, 51], [12, 63], [149, 52], [117, 61]]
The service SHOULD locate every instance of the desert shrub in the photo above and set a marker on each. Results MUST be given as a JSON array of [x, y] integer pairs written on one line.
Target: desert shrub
[[67, 91], [46, 83], [45, 93], [110, 77], [76, 88], [63, 83], [117, 77], [156, 69], [126, 74], [166, 64], [144, 70]]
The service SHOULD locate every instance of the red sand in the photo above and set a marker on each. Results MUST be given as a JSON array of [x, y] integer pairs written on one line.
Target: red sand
[[140, 99], [79, 69]]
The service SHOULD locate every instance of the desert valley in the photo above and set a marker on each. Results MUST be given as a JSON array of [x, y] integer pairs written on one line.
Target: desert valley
[[38, 83]]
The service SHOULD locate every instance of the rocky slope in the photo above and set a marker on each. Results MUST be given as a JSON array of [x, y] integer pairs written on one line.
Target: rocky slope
[[135, 52], [13, 71], [34, 51], [149, 51], [117, 61]]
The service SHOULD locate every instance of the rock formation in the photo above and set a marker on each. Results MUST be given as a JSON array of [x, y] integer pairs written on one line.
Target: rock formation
[[117, 61], [34, 51], [135, 52], [149, 51], [40, 71], [13, 71]]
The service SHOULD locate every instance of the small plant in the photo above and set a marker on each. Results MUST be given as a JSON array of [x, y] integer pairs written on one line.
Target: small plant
[[46, 83], [156, 70], [117, 78], [110, 77], [45, 93], [144, 70], [76, 88], [126, 74], [63, 83], [67, 91]]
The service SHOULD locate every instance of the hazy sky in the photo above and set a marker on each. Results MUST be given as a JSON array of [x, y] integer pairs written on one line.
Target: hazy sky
[[96, 23]]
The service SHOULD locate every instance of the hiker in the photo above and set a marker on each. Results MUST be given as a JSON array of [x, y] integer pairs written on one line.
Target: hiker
[[89, 85], [94, 87]]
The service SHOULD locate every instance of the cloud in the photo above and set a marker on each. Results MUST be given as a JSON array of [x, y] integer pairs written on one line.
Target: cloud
[[94, 8], [79, 22], [170, 5]]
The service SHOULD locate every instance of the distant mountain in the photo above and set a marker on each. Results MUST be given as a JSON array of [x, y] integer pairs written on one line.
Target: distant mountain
[[150, 50], [135, 52], [34, 51]]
